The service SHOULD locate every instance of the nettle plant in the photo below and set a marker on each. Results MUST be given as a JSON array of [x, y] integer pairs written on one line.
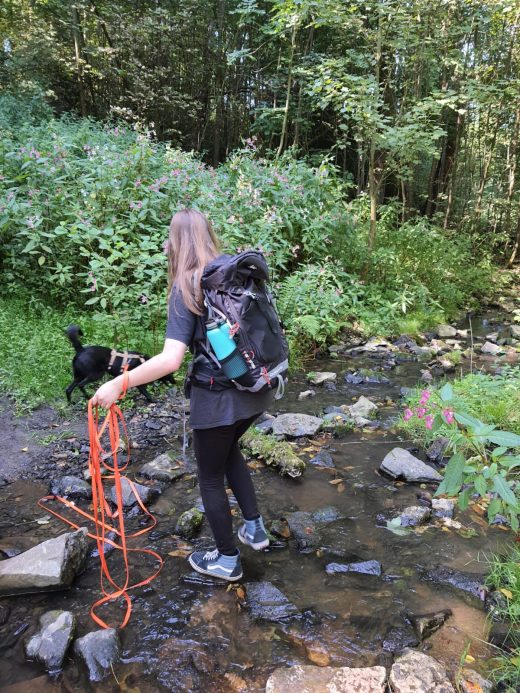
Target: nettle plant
[[485, 461]]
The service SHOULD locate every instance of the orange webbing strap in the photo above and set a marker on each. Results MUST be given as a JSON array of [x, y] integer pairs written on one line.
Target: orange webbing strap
[[103, 518]]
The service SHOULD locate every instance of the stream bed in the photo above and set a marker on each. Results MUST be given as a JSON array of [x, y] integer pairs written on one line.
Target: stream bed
[[187, 636]]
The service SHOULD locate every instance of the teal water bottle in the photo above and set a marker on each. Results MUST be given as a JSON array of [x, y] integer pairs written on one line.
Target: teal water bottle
[[225, 349]]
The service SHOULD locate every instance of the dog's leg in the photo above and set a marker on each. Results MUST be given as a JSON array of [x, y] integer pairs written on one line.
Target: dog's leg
[[86, 381], [71, 389], [144, 392]]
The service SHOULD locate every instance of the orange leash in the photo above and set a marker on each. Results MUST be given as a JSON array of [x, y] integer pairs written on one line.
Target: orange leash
[[104, 519]]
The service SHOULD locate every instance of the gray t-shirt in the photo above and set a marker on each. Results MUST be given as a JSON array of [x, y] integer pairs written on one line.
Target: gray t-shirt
[[210, 408]]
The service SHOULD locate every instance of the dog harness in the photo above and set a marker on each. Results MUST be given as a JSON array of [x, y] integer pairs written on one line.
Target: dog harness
[[126, 358]]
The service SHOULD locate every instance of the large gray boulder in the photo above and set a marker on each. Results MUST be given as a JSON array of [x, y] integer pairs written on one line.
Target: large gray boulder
[[315, 679], [296, 425], [415, 672], [98, 650], [400, 464], [50, 644], [51, 565]]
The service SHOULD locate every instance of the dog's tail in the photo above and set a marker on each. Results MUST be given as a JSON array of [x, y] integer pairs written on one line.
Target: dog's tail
[[74, 332]]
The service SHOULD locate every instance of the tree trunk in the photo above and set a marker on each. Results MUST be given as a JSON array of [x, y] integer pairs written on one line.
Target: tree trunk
[[78, 53], [285, 123]]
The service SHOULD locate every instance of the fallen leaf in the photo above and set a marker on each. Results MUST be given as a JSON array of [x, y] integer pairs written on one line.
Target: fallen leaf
[[340, 488], [236, 682], [334, 482], [179, 553], [241, 592], [506, 593], [469, 659]]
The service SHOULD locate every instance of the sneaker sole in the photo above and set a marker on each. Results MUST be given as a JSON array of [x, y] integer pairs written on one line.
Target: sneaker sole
[[257, 547], [208, 572]]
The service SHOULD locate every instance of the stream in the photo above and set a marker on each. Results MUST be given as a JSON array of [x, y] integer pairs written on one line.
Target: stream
[[185, 636]]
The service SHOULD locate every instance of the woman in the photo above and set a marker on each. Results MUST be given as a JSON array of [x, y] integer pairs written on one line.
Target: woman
[[218, 417]]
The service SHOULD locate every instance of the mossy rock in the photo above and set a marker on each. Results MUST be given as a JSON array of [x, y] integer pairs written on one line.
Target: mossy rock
[[189, 523], [274, 453]]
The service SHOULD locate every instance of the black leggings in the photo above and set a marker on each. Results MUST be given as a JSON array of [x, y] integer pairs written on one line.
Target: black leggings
[[219, 456]]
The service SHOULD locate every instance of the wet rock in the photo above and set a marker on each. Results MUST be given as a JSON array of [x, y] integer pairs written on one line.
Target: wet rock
[[367, 376], [425, 625], [265, 602], [5, 611], [189, 523], [426, 376], [468, 583], [363, 567], [306, 394], [265, 425], [490, 348], [296, 425], [436, 450], [51, 565], [322, 459], [414, 515], [336, 348], [398, 638], [472, 682], [330, 387], [71, 487], [147, 494], [304, 530], [318, 378], [327, 515], [443, 507], [405, 341], [415, 671], [274, 453], [406, 391], [338, 422], [162, 468], [98, 650], [363, 408], [514, 331], [444, 331], [51, 643], [400, 464], [316, 679]]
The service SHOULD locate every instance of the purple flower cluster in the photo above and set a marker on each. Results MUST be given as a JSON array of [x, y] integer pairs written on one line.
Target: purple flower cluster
[[423, 413]]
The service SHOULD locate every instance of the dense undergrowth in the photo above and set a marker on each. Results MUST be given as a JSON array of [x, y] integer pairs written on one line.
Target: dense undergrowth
[[85, 207]]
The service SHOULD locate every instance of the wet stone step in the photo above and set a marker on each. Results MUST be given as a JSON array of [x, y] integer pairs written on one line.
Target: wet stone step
[[265, 602], [468, 583], [363, 567]]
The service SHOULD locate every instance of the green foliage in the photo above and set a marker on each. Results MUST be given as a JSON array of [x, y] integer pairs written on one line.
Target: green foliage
[[36, 356], [504, 577], [485, 460]]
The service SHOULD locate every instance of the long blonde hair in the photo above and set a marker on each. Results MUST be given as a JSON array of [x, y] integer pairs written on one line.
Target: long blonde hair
[[192, 243]]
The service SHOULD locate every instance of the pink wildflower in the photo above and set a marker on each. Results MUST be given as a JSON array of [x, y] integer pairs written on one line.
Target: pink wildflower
[[420, 411], [428, 422], [408, 413], [448, 416], [425, 396]]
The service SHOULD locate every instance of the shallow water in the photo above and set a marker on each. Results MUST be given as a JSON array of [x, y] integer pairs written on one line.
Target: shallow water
[[187, 637]]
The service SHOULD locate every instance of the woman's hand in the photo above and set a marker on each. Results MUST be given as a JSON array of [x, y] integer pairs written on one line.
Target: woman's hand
[[108, 393]]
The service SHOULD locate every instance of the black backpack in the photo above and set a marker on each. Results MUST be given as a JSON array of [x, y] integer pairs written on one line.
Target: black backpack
[[235, 289]]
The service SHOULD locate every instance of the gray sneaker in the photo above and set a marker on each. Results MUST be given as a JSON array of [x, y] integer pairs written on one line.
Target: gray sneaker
[[253, 534], [217, 564]]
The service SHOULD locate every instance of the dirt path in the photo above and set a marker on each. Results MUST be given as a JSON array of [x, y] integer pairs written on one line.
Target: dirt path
[[22, 438]]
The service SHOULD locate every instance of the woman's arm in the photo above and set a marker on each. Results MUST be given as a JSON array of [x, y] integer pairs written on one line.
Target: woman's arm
[[168, 361]]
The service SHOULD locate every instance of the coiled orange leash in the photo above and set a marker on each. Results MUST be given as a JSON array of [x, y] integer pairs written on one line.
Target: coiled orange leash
[[104, 519]]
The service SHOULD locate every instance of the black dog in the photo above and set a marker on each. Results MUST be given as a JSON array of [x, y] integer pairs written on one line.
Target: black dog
[[90, 363]]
